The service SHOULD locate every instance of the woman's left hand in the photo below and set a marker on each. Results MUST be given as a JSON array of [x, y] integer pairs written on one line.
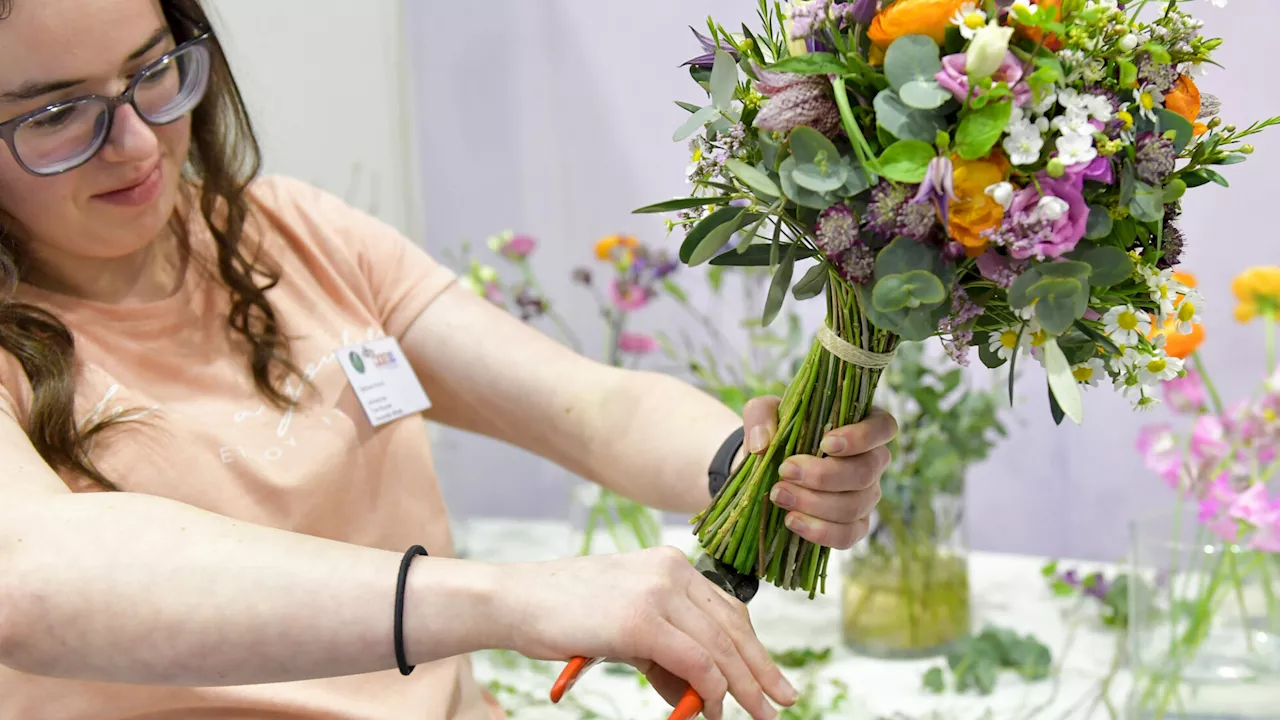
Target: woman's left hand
[[829, 499]]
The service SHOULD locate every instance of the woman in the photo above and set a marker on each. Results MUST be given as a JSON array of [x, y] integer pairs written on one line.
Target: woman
[[197, 517]]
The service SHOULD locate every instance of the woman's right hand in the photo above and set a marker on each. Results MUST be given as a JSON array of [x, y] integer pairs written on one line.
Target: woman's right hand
[[653, 610]]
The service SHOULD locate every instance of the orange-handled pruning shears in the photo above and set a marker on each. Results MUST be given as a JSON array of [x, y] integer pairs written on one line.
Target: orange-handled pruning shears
[[741, 586]]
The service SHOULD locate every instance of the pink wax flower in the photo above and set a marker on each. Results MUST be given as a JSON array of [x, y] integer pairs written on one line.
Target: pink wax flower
[[953, 78], [519, 247], [1160, 452], [636, 343], [1185, 394], [629, 297]]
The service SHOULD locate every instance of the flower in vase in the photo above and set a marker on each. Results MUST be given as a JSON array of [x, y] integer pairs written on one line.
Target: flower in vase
[[628, 297], [614, 247], [634, 343], [1160, 452], [1185, 394], [1258, 292], [513, 246], [1221, 495], [1209, 439]]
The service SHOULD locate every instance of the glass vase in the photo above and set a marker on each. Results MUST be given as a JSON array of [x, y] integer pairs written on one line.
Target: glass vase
[[906, 585], [602, 521], [1204, 634]]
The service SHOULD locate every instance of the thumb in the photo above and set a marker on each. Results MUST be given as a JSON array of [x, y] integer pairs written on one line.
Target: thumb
[[760, 422]]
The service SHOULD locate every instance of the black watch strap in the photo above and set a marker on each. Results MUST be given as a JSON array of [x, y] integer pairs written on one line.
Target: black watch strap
[[722, 465]]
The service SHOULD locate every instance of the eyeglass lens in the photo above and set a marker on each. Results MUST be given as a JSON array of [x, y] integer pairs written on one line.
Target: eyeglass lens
[[67, 135]]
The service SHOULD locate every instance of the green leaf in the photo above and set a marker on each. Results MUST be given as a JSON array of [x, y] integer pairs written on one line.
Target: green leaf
[[820, 178], [1111, 266], [933, 681], [1232, 159], [1169, 120], [715, 240], [695, 121], [1018, 297], [856, 180], [906, 161], [1127, 179], [1158, 53], [1194, 178], [1065, 269], [1060, 302], [906, 123], [1213, 177], [809, 64], [1128, 74], [753, 178], [674, 290], [749, 236], [980, 129], [1147, 204], [1100, 222], [1063, 383], [812, 284], [779, 286], [911, 58], [904, 255], [1173, 191], [755, 256], [688, 106], [908, 290], [1056, 411], [797, 194], [705, 226], [724, 80], [924, 95]]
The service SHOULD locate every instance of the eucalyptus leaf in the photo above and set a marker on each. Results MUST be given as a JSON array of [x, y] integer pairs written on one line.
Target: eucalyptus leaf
[[812, 284], [1111, 266], [907, 290], [1018, 297], [907, 161], [856, 181], [1065, 269], [695, 121], [724, 80], [1057, 300], [924, 95], [820, 178], [779, 286], [1169, 120], [904, 122], [753, 178], [910, 58], [1127, 180], [981, 129], [809, 146], [794, 192], [1062, 382], [1100, 222], [1173, 191], [1147, 204]]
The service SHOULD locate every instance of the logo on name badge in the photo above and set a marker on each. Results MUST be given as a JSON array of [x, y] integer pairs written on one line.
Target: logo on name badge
[[380, 360], [356, 362]]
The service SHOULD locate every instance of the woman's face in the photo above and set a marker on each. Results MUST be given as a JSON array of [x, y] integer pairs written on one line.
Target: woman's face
[[119, 201]]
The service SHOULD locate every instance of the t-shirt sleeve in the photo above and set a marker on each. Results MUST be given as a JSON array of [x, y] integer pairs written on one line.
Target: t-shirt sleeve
[[399, 278]]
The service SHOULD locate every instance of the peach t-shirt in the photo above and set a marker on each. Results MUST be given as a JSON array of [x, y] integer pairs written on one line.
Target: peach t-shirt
[[210, 441]]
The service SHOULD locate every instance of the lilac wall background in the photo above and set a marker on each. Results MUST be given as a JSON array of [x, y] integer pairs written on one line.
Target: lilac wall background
[[555, 117]]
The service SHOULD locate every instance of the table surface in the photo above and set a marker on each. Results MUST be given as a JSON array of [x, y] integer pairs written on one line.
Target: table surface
[[1007, 590]]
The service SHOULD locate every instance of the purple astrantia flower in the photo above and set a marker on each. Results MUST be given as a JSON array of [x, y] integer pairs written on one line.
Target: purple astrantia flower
[[839, 239], [938, 187], [1044, 222], [955, 79], [1156, 158], [1185, 394], [891, 213], [796, 100], [530, 304], [634, 343], [1097, 170], [708, 59]]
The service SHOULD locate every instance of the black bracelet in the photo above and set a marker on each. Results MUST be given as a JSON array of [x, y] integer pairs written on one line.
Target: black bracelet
[[722, 465], [405, 667]]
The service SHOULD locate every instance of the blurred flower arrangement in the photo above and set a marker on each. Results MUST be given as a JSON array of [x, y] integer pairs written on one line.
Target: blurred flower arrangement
[[1223, 600], [1006, 175], [907, 591]]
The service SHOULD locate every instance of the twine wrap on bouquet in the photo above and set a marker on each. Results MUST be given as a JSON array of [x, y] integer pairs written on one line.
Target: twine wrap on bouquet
[[851, 353]]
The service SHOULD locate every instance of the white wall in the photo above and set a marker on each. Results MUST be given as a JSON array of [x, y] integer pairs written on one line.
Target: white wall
[[325, 84]]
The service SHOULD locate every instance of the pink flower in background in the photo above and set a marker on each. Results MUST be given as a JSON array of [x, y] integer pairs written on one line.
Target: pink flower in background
[[1267, 538], [1160, 452], [636, 343], [1185, 394], [1208, 439], [1252, 505], [628, 298], [519, 247], [493, 294], [1221, 495]]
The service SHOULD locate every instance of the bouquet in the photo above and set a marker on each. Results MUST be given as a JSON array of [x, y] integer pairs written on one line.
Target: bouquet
[[1005, 175]]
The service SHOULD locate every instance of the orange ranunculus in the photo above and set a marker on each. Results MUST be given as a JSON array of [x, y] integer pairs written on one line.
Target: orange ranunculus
[[1185, 278], [1258, 290], [605, 247], [974, 211], [1051, 41], [913, 17], [1184, 99], [1176, 344]]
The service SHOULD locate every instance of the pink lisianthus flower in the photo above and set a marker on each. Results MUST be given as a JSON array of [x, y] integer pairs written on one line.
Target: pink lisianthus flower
[[1185, 394], [628, 297], [636, 343], [953, 78], [1160, 452], [1046, 221]]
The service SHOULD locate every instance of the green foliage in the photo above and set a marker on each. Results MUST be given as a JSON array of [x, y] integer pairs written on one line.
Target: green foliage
[[976, 662], [981, 129], [917, 319]]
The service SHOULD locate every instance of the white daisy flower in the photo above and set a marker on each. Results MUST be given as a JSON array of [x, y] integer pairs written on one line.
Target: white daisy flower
[[1155, 369], [969, 19], [1027, 5], [1125, 325], [1148, 99], [1164, 290], [1007, 341], [1089, 372], [1188, 310]]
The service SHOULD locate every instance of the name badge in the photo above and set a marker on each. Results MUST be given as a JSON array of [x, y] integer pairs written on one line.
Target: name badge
[[383, 380]]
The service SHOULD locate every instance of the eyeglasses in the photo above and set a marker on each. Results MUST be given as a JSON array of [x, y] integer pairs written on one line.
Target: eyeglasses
[[66, 135]]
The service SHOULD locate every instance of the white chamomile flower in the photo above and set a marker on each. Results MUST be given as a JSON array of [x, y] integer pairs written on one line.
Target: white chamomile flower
[[1130, 385], [1007, 341], [1164, 290], [1069, 97], [1089, 372], [1125, 325], [1154, 369], [1188, 310], [1146, 403], [1148, 99], [969, 19]]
